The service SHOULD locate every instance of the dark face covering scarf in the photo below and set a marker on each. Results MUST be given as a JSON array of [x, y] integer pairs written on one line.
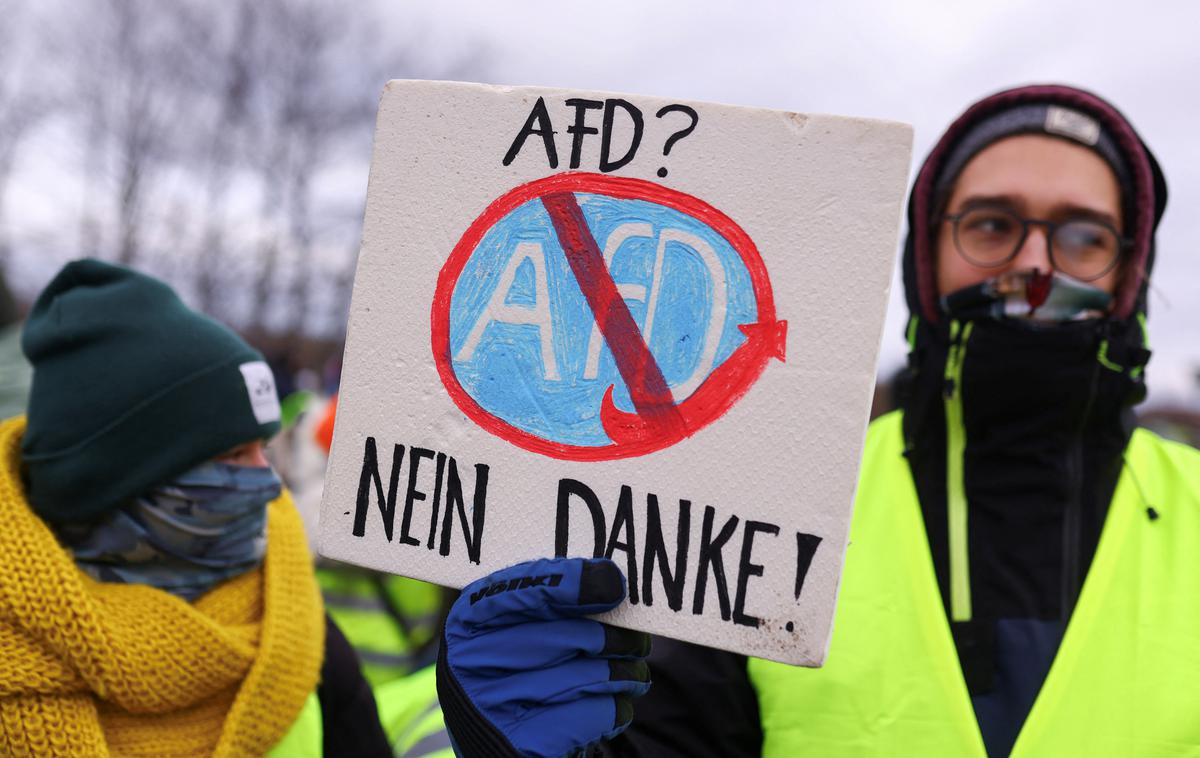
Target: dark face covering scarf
[[185, 536]]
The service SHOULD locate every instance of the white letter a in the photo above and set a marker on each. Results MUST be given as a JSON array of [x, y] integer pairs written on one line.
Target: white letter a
[[537, 314]]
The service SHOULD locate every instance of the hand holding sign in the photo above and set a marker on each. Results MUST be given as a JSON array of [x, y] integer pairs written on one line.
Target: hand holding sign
[[522, 671], [593, 362]]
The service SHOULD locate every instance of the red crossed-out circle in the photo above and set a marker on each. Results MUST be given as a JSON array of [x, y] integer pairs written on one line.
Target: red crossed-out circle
[[641, 432]]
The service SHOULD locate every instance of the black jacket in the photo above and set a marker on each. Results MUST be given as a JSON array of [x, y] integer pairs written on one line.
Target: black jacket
[[350, 721]]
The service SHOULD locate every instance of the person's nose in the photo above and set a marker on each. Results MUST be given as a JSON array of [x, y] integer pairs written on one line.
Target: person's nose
[[257, 456], [1034, 252]]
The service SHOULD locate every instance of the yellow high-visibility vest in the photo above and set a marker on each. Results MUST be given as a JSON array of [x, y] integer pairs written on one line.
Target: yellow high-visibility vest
[[358, 600], [1126, 678], [306, 737]]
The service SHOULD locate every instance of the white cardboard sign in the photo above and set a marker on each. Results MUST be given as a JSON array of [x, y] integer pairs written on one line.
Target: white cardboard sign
[[587, 323]]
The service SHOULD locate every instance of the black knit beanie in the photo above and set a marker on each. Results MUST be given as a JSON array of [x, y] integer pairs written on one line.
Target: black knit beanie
[[130, 388]]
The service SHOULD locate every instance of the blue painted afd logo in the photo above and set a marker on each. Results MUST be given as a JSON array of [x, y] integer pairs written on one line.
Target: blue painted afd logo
[[525, 345], [590, 317]]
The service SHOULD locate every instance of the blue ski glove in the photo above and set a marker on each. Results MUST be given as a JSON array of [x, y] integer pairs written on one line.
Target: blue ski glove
[[521, 672]]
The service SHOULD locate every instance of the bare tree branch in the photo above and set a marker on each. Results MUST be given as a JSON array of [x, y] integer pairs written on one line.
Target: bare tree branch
[[205, 135]]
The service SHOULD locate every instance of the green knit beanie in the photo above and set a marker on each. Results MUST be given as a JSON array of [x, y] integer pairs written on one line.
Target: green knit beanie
[[130, 389]]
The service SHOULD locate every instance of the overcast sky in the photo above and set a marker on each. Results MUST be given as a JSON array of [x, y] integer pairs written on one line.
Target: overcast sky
[[917, 61]]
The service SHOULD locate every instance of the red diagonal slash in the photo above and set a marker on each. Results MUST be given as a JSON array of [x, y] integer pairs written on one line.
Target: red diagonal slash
[[647, 387], [657, 421]]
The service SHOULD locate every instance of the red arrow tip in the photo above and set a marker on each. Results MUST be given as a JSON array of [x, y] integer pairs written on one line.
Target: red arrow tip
[[771, 334]]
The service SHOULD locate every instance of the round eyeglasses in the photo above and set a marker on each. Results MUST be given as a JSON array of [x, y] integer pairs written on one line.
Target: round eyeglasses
[[1084, 249]]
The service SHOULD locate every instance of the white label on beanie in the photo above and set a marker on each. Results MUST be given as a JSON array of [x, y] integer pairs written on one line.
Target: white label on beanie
[[1073, 124], [260, 385]]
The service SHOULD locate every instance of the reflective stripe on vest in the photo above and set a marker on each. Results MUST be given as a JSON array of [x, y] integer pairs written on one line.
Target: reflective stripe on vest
[[354, 599], [412, 717], [1124, 682], [306, 737]]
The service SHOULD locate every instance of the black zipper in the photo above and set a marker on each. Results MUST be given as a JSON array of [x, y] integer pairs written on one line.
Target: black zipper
[[1072, 529], [1073, 568]]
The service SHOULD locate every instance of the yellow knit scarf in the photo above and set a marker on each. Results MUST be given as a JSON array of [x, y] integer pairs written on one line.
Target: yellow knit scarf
[[90, 668]]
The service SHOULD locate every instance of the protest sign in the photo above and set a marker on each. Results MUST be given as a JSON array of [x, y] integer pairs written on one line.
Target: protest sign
[[596, 324]]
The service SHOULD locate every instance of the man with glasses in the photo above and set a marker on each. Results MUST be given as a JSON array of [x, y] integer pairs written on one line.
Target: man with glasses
[[1011, 474]]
